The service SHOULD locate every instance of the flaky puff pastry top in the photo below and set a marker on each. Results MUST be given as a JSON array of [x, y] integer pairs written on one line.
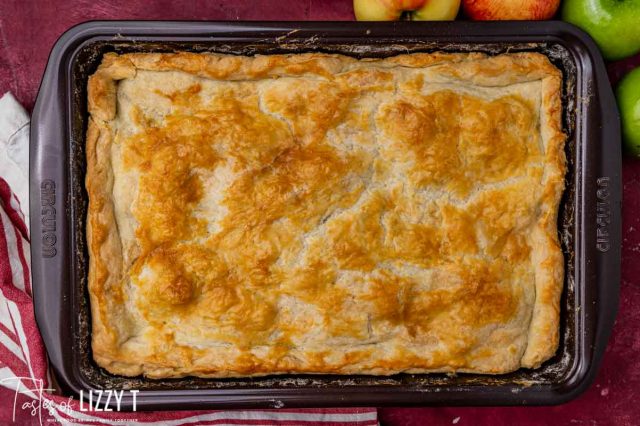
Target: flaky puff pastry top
[[316, 213]]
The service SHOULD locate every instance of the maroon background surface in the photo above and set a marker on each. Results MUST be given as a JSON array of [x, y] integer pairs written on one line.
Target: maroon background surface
[[28, 30]]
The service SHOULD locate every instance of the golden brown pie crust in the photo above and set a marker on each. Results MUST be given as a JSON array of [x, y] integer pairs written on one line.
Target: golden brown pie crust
[[315, 213]]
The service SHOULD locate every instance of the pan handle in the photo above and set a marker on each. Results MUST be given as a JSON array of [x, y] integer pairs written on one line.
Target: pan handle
[[48, 179], [607, 184]]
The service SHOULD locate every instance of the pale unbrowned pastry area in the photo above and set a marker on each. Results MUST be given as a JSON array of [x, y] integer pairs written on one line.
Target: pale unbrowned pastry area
[[321, 214]]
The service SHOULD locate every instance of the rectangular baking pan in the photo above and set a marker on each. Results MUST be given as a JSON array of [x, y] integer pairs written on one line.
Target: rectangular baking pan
[[589, 221]]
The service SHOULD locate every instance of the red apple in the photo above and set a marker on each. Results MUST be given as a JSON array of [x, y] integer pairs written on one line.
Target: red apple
[[500, 10], [391, 10]]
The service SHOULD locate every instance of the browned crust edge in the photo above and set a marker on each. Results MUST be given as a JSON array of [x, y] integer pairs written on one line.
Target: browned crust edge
[[105, 265]]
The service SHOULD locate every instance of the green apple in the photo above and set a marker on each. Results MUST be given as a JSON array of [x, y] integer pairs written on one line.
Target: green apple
[[614, 24], [628, 94]]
